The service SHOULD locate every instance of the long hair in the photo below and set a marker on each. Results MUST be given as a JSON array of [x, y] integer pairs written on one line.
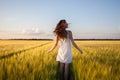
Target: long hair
[[60, 30]]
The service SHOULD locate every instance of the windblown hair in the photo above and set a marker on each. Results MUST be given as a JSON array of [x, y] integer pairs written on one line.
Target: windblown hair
[[60, 30]]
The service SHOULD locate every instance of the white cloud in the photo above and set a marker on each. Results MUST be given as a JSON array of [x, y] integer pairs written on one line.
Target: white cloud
[[119, 28], [97, 35], [35, 33], [32, 31]]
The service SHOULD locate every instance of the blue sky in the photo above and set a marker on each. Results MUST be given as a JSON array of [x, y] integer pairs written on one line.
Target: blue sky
[[37, 18]]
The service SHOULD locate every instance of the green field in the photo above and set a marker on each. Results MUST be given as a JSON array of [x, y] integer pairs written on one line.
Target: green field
[[29, 60]]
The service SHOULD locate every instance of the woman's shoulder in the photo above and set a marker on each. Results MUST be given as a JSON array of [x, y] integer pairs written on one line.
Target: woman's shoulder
[[69, 31]]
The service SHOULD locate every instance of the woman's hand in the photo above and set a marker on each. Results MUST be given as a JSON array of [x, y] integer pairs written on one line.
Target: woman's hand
[[73, 43], [49, 51], [55, 44], [81, 51]]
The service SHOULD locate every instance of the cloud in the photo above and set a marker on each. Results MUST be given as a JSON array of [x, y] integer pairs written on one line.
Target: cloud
[[97, 35], [2, 31], [119, 28], [32, 31], [35, 33]]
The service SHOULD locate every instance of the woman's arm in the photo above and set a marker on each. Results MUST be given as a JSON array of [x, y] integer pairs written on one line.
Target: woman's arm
[[55, 44], [73, 43]]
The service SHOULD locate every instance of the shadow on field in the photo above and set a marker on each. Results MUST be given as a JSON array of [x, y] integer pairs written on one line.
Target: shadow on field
[[72, 76], [20, 51]]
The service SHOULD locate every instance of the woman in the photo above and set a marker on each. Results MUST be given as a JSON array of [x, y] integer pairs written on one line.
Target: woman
[[64, 55]]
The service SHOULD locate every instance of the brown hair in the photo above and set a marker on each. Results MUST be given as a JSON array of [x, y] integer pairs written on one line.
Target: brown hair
[[60, 29]]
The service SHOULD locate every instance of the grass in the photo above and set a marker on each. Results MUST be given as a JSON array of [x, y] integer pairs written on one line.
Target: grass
[[100, 61]]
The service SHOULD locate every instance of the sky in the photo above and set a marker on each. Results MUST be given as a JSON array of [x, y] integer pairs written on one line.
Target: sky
[[88, 19]]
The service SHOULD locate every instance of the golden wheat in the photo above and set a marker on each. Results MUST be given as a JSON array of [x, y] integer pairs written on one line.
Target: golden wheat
[[100, 60]]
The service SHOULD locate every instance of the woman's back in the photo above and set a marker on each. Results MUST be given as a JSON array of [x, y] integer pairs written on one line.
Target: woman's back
[[64, 52]]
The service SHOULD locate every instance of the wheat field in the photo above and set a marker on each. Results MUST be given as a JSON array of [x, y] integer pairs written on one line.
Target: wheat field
[[29, 60]]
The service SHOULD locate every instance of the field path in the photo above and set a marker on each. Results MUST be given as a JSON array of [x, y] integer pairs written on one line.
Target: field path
[[20, 51]]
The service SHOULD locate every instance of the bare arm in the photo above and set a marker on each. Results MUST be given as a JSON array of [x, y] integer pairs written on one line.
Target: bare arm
[[73, 43], [55, 44]]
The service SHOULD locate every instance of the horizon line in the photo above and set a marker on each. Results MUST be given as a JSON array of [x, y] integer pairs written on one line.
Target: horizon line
[[52, 39]]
